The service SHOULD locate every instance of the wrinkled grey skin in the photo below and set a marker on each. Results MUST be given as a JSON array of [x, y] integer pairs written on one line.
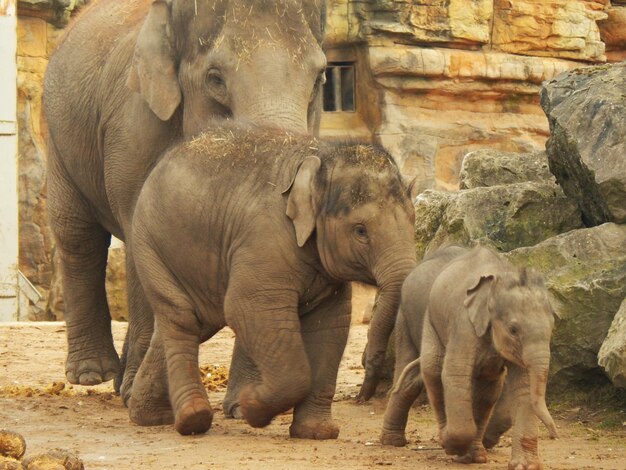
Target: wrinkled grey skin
[[479, 321], [262, 231], [129, 79]]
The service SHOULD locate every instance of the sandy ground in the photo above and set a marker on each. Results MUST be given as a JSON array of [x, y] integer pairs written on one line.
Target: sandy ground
[[93, 422]]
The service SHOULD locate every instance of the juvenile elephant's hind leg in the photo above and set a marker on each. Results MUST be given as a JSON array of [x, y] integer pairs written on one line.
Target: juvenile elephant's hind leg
[[242, 372], [82, 246], [325, 333]]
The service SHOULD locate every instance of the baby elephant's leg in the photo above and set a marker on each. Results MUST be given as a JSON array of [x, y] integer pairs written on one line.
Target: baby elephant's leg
[[407, 385]]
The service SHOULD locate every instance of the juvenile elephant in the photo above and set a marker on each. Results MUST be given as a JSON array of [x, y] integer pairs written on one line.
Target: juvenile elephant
[[475, 319], [129, 79], [262, 231]]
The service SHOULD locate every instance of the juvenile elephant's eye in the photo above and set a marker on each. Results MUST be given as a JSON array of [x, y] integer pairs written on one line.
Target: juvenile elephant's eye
[[216, 86], [514, 330]]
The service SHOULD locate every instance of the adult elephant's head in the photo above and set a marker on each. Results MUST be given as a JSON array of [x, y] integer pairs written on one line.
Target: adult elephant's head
[[353, 203], [257, 60]]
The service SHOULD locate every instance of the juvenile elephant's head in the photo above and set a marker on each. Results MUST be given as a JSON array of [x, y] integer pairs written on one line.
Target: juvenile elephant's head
[[353, 203], [519, 315], [259, 61]]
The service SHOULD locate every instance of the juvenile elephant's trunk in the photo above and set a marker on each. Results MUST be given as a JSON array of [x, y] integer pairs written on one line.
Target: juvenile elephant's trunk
[[538, 374], [389, 280]]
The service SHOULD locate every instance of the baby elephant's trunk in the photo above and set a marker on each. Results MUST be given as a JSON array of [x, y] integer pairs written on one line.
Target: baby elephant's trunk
[[538, 382]]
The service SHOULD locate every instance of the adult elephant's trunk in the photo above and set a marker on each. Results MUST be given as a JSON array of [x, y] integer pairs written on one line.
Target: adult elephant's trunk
[[389, 278], [538, 378]]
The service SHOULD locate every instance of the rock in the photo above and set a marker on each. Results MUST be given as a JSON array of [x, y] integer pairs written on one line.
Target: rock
[[585, 273], [504, 217], [12, 444], [491, 167], [586, 110], [559, 28], [612, 354], [7, 463], [434, 21], [56, 459], [613, 29]]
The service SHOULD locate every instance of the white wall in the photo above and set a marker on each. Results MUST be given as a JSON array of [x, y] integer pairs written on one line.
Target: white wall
[[8, 163]]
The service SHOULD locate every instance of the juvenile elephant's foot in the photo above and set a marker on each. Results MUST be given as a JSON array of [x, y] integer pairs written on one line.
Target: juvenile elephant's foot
[[232, 411], [319, 430], [524, 464], [92, 368], [393, 438], [476, 454], [194, 417], [153, 415], [457, 443], [254, 410]]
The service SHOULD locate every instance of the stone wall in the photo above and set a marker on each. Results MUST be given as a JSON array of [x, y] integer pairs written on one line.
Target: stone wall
[[456, 76]]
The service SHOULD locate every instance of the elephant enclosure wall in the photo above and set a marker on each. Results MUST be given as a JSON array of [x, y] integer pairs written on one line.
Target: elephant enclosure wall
[[93, 423]]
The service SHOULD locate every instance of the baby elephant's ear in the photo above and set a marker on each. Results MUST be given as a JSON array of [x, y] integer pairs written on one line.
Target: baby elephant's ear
[[478, 310], [300, 203]]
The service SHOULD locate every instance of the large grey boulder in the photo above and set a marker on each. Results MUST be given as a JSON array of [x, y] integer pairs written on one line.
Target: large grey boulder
[[491, 167], [612, 355], [585, 272], [586, 111], [504, 217]]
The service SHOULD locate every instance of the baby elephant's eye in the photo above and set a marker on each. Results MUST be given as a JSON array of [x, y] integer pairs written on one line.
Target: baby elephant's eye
[[360, 231], [513, 330]]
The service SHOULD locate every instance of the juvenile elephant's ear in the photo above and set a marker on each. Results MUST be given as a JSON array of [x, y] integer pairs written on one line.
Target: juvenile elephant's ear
[[153, 68], [477, 308], [300, 204]]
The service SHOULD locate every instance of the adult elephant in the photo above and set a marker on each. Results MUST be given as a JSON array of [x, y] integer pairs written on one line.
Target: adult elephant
[[130, 78]]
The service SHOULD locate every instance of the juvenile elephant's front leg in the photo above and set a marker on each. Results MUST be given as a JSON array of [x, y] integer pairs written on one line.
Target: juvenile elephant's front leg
[[267, 324], [325, 333]]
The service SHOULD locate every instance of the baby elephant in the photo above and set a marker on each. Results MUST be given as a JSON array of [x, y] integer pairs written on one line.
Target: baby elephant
[[262, 231], [476, 320]]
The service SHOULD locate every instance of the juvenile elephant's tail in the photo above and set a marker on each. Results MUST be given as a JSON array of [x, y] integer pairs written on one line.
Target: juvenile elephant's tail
[[410, 377]]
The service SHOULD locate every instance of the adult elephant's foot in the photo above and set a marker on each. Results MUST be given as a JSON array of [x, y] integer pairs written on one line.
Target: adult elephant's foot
[[319, 430], [92, 367], [255, 410], [150, 414], [194, 417], [476, 454], [394, 438]]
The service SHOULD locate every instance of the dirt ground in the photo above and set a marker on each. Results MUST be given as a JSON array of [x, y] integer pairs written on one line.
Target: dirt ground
[[93, 422]]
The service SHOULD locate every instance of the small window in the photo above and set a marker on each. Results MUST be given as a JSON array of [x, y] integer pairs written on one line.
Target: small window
[[339, 87]]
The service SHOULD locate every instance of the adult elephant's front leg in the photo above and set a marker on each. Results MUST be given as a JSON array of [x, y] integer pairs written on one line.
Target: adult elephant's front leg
[[325, 333], [266, 322]]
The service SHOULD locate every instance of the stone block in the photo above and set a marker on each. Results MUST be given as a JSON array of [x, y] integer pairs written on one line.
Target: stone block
[[612, 354]]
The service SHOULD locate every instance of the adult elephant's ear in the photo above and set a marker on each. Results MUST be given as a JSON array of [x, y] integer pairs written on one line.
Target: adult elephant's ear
[[153, 68], [478, 310], [300, 203]]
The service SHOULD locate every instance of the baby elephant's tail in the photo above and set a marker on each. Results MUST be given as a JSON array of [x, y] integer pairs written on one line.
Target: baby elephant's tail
[[409, 379]]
